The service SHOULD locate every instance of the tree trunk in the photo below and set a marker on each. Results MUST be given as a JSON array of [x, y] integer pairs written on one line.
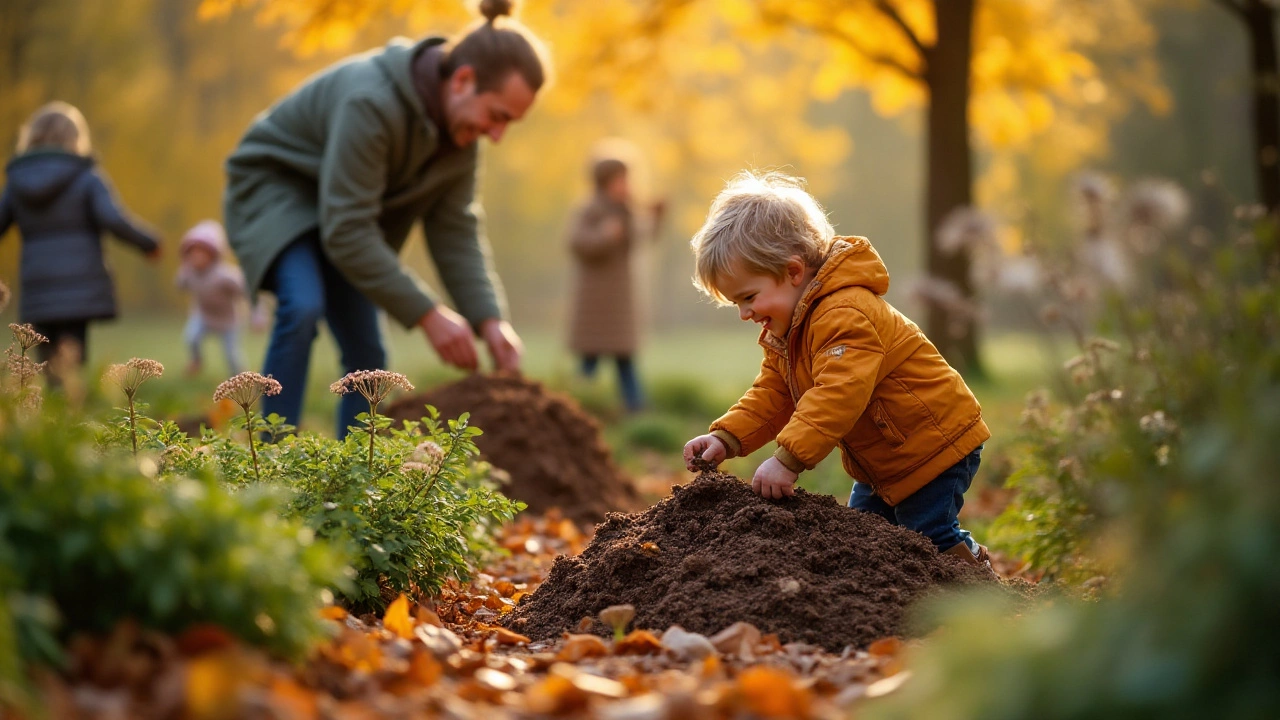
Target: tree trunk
[[1260, 19], [949, 176]]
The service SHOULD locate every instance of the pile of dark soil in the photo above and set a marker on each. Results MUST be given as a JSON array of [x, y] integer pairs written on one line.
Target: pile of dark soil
[[806, 568], [549, 446]]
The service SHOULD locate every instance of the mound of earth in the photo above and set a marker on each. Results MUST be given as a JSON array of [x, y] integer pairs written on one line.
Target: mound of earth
[[805, 567], [549, 446]]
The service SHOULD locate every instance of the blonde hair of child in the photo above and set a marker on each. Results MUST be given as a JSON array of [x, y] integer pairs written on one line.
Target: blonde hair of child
[[757, 223], [58, 125]]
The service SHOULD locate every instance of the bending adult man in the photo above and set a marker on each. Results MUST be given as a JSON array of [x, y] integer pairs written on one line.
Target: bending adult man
[[326, 185]]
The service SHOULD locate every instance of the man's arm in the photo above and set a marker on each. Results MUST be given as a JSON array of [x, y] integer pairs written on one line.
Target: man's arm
[[353, 178], [459, 248]]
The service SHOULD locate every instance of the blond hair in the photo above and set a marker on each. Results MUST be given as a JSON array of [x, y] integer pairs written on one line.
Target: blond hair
[[59, 125], [758, 222]]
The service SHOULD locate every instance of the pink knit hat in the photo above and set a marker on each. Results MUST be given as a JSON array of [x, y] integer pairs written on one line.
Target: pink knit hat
[[207, 234]]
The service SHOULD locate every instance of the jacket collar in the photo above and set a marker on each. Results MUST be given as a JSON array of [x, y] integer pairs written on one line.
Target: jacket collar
[[841, 249], [397, 63]]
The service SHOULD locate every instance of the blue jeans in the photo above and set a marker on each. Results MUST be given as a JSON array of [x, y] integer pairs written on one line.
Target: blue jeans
[[308, 288], [933, 510], [628, 380]]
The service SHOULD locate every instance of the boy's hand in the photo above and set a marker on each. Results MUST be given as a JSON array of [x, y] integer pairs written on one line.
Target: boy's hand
[[707, 448], [773, 480]]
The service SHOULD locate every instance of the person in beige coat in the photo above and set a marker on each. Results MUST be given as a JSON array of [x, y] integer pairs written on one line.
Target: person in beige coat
[[601, 239]]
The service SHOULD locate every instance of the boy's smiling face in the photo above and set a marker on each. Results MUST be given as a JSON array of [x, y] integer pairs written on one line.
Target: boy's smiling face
[[764, 299]]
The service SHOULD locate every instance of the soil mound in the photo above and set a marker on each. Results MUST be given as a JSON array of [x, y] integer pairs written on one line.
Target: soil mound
[[548, 445], [806, 568]]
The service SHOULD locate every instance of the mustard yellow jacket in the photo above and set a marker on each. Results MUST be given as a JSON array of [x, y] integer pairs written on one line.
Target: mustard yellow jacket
[[854, 372]]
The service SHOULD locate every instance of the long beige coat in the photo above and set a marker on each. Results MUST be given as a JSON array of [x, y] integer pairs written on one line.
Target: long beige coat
[[601, 239]]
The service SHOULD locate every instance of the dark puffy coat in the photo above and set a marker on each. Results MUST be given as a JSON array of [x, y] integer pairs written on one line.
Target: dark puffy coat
[[62, 204]]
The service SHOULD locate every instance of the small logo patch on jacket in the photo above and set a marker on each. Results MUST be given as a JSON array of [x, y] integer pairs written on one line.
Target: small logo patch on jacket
[[837, 351]]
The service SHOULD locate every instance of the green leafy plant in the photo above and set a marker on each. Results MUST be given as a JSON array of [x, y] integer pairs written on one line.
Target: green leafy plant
[[102, 541], [421, 512]]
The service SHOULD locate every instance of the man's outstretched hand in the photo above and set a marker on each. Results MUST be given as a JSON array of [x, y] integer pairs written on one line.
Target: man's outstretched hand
[[450, 335], [505, 346]]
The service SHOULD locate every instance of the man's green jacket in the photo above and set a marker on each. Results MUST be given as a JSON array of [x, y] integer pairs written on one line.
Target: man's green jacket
[[353, 153]]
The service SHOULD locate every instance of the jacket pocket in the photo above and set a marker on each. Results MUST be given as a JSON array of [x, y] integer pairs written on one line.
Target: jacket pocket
[[885, 425]]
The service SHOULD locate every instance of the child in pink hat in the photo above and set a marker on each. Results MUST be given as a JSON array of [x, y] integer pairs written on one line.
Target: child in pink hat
[[217, 289]]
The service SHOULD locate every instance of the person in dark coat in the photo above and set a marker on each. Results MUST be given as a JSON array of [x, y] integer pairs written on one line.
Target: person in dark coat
[[62, 203]]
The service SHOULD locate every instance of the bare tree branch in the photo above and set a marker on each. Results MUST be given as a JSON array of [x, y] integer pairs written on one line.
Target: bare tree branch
[[827, 30], [889, 11]]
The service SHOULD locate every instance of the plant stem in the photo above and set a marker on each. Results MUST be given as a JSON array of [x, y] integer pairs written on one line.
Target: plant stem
[[373, 429], [133, 426], [253, 451]]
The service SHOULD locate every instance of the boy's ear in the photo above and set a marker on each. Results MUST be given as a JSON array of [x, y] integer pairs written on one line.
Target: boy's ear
[[795, 271]]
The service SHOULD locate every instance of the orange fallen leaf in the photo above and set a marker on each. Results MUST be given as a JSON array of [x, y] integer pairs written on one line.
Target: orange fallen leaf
[[506, 637], [505, 588], [397, 618], [885, 647], [424, 669], [286, 698], [638, 642], [333, 612], [426, 616], [555, 695], [772, 693], [577, 647]]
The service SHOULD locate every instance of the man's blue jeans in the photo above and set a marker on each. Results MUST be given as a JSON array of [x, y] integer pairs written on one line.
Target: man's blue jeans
[[308, 288], [933, 510]]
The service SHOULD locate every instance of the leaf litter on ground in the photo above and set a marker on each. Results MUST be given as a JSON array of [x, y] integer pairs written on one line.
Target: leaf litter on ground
[[450, 656]]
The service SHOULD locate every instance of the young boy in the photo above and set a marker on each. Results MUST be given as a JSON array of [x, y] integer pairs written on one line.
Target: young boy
[[217, 289], [842, 367]]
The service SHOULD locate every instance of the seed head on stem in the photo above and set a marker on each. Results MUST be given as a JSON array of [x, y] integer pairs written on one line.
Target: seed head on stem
[[26, 336], [130, 375], [244, 390], [373, 385]]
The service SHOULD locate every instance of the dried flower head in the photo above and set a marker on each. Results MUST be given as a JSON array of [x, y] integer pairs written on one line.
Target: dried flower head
[[422, 467], [26, 336], [373, 385], [32, 401], [427, 451], [1158, 204], [130, 375], [945, 294], [246, 388], [21, 366], [966, 228], [1094, 187]]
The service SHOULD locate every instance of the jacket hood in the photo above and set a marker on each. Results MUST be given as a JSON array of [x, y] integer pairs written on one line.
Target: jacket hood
[[207, 234], [397, 62], [39, 176], [852, 262]]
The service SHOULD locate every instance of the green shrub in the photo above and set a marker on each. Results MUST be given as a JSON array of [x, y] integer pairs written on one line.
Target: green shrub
[[425, 513], [659, 432], [102, 541]]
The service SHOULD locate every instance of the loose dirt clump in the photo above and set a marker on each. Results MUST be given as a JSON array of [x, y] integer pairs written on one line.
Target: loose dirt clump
[[549, 446], [806, 568]]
